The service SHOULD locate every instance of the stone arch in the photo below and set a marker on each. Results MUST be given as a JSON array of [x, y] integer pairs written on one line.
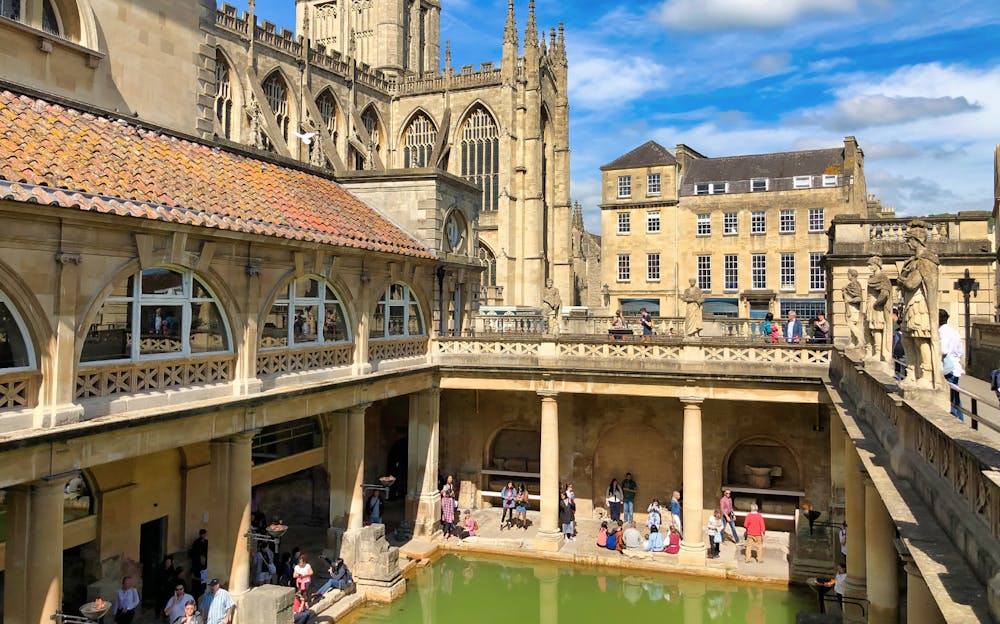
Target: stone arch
[[417, 153], [370, 113], [287, 119], [514, 445], [335, 282], [489, 260], [215, 283], [638, 448], [235, 96], [416, 295], [479, 152], [758, 450], [471, 108], [76, 21], [32, 315], [337, 121]]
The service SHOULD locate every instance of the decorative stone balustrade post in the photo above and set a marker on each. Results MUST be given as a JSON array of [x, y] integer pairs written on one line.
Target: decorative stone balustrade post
[[550, 537], [693, 542]]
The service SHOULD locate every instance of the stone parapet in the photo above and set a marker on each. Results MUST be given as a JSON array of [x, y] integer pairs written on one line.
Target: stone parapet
[[373, 563], [983, 350]]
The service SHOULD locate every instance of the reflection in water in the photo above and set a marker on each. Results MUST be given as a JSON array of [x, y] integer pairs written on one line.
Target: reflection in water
[[481, 590]]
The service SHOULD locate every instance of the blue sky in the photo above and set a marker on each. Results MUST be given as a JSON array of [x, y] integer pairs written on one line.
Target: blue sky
[[916, 81]]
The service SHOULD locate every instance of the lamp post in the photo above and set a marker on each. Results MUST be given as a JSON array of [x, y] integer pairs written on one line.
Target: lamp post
[[967, 286]]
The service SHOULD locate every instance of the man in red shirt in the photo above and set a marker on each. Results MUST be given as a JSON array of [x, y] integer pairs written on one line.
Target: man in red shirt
[[754, 525]]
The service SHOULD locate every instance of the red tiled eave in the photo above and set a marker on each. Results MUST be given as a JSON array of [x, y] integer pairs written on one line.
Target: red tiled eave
[[55, 155]]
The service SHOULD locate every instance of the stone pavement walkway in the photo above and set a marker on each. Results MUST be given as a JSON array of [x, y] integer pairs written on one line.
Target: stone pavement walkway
[[583, 551]]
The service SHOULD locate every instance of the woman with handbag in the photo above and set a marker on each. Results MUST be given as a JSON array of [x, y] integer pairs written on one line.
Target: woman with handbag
[[507, 495], [521, 506], [614, 498], [714, 534]]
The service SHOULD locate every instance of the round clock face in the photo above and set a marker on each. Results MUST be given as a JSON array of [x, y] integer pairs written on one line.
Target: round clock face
[[454, 233]]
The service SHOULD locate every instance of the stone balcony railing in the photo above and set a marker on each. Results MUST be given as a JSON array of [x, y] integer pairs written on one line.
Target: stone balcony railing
[[663, 326]]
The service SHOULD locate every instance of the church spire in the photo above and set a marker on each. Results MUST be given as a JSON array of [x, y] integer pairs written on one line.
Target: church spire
[[531, 32], [447, 56], [561, 45], [510, 29]]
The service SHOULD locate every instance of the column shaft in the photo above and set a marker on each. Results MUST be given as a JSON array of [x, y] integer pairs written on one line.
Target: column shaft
[[881, 560], [229, 521], [356, 465], [920, 605], [693, 543], [335, 445], [549, 533], [854, 501], [33, 587], [836, 461], [423, 501]]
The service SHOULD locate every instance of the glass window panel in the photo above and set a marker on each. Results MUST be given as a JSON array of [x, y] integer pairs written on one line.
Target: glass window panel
[[416, 326], [162, 282], [110, 335], [275, 331], [208, 331], [199, 291], [307, 287], [13, 346], [161, 329], [397, 292], [334, 326], [304, 323], [378, 322], [397, 322], [330, 294]]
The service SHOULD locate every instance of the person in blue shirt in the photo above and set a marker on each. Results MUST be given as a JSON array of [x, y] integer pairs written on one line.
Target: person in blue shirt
[[675, 511], [655, 541]]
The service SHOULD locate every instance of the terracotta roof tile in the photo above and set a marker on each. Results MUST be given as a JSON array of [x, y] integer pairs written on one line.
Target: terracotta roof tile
[[65, 157]]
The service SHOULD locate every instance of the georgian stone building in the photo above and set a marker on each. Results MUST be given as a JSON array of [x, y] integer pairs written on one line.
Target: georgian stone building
[[750, 229], [358, 87]]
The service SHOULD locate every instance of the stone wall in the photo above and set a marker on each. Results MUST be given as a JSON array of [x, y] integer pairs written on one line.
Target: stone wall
[[984, 351]]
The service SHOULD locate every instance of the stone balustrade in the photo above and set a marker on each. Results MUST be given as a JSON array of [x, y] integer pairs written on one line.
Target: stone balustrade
[[598, 325], [19, 390], [277, 361], [103, 380]]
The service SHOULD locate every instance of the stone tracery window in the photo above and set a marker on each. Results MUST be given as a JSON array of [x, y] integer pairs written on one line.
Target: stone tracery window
[[16, 352], [51, 23], [418, 142], [223, 96], [481, 155], [397, 314], [158, 312], [328, 111], [276, 92], [370, 120], [11, 9], [489, 260], [308, 312]]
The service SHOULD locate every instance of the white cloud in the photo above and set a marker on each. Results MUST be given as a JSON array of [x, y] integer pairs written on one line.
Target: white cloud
[[825, 65], [716, 15], [771, 64], [597, 82], [864, 111]]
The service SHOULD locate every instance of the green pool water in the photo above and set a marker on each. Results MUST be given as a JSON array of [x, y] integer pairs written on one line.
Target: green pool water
[[460, 590]]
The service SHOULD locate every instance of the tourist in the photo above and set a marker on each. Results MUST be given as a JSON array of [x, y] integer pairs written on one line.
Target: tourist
[[675, 511], [821, 329], [728, 515], [654, 543], [674, 544], [653, 517], [166, 578], [769, 329], [632, 538], [217, 605], [715, 527], [191, 615], [840, 579], [469, 525], [602, 535], [375, 507], [898, 354], [507, 495], [302, 573], [567, 515], [793, 329], [570, 493], [843, 543], [628, 497], [300, 608], [647, 324], [126, 602], [258, 571], [617, 323], [521, 503], [952, 353], [754, 525], [175, 606], [198, 554], [447, 510], [270, 570], [613, 498], [285, 570], [340, 577], [615, 541]]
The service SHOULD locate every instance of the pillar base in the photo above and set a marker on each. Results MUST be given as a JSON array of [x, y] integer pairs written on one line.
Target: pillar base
[[381, 591], [426, 512], [334, 540], [692, 554], [548, 541], [58, 415], [245, 387], [362, 369]]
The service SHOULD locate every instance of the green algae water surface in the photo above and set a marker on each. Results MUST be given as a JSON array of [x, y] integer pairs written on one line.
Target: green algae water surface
[[480, 591]]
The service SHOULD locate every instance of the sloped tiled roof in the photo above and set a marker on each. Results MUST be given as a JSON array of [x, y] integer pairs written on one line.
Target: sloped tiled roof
[[56, 155], [649, 154], [777, 165]]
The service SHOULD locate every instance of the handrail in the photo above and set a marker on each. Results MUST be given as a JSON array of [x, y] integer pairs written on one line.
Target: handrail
[[975, 418]]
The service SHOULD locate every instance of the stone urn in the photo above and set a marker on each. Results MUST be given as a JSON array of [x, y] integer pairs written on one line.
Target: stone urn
[[760, 476]]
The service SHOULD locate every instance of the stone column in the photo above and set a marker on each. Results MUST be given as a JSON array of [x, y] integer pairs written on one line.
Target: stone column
[[335, 461], [33, 588], [920, 605], [56, 395], [692, 542], [356, 465], [548, 595], [550, 537], [854, 503], [881, 559], [229, 522], [423, 501], [836, 462]]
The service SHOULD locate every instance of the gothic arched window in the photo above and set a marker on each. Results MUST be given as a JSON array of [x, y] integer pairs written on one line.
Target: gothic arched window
[[276, 92], [418, 142], [223, 96], [489, 261], [370, 120], [308, 312], [51, 23], [481, 155], [157, 312], [397, 314], [327, 107], [16, 351], [11, 9]]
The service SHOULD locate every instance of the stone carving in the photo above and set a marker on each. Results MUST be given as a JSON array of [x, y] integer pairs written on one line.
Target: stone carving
[[694, 297], [852, 300], [552, 303], [918, 284], [760, 476], [256, 123], [878, 341]]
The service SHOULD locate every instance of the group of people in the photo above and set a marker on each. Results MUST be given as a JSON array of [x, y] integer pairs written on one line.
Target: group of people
[[465, 526], [793, 331], [645, 324], [216, 605]]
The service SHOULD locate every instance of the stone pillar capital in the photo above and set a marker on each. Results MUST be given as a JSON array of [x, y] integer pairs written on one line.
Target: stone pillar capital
[[547, 394], [692, 401], [360, 407], [434, 392], [244, 437]]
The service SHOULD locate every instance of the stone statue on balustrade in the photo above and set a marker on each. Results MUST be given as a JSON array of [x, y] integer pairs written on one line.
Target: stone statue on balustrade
[[878, 341], [853, 298], [552, 306], [694, 297], [918, 284]]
